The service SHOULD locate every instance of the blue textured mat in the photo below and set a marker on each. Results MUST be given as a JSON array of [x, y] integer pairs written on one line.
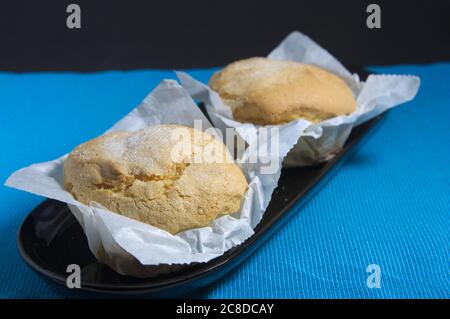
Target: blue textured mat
[[389, 204]]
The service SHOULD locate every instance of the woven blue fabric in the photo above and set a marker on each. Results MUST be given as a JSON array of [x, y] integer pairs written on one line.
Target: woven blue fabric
[[388, 205]]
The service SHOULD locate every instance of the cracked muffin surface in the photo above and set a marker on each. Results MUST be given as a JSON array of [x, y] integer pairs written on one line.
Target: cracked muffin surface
[[170, 176]]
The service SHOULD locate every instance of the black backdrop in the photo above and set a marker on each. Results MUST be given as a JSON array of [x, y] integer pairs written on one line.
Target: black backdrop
[[180, 34]]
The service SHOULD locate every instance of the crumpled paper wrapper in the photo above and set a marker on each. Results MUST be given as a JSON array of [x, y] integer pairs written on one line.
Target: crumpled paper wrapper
[[141, 250], [323, 140]]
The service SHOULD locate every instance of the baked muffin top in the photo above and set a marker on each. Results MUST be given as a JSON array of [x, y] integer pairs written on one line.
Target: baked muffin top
[[264, 91], [169, 176]]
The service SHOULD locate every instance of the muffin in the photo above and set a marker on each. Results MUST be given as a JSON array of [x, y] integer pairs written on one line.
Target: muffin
[[263, 91], [170, 176]]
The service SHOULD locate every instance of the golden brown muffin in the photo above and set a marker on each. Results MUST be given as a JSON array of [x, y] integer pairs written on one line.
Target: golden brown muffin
[[169, 176], [264, 91]]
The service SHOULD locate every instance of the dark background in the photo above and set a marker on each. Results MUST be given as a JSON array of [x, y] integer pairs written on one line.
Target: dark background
[[184, 34]]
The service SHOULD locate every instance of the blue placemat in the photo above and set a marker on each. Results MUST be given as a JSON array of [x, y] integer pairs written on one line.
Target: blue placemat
[[389, 205]]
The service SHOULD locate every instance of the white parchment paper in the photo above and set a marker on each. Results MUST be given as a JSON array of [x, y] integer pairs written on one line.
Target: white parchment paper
[[323, 140], [134, 248]]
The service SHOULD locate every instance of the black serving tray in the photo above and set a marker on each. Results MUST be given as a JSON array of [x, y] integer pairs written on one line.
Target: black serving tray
[[50, 238]]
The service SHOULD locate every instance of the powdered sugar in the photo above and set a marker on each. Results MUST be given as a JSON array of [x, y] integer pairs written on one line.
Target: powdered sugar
[[148, 148]]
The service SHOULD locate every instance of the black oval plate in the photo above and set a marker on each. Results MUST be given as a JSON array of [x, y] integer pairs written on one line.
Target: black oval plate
[[50, 239]]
